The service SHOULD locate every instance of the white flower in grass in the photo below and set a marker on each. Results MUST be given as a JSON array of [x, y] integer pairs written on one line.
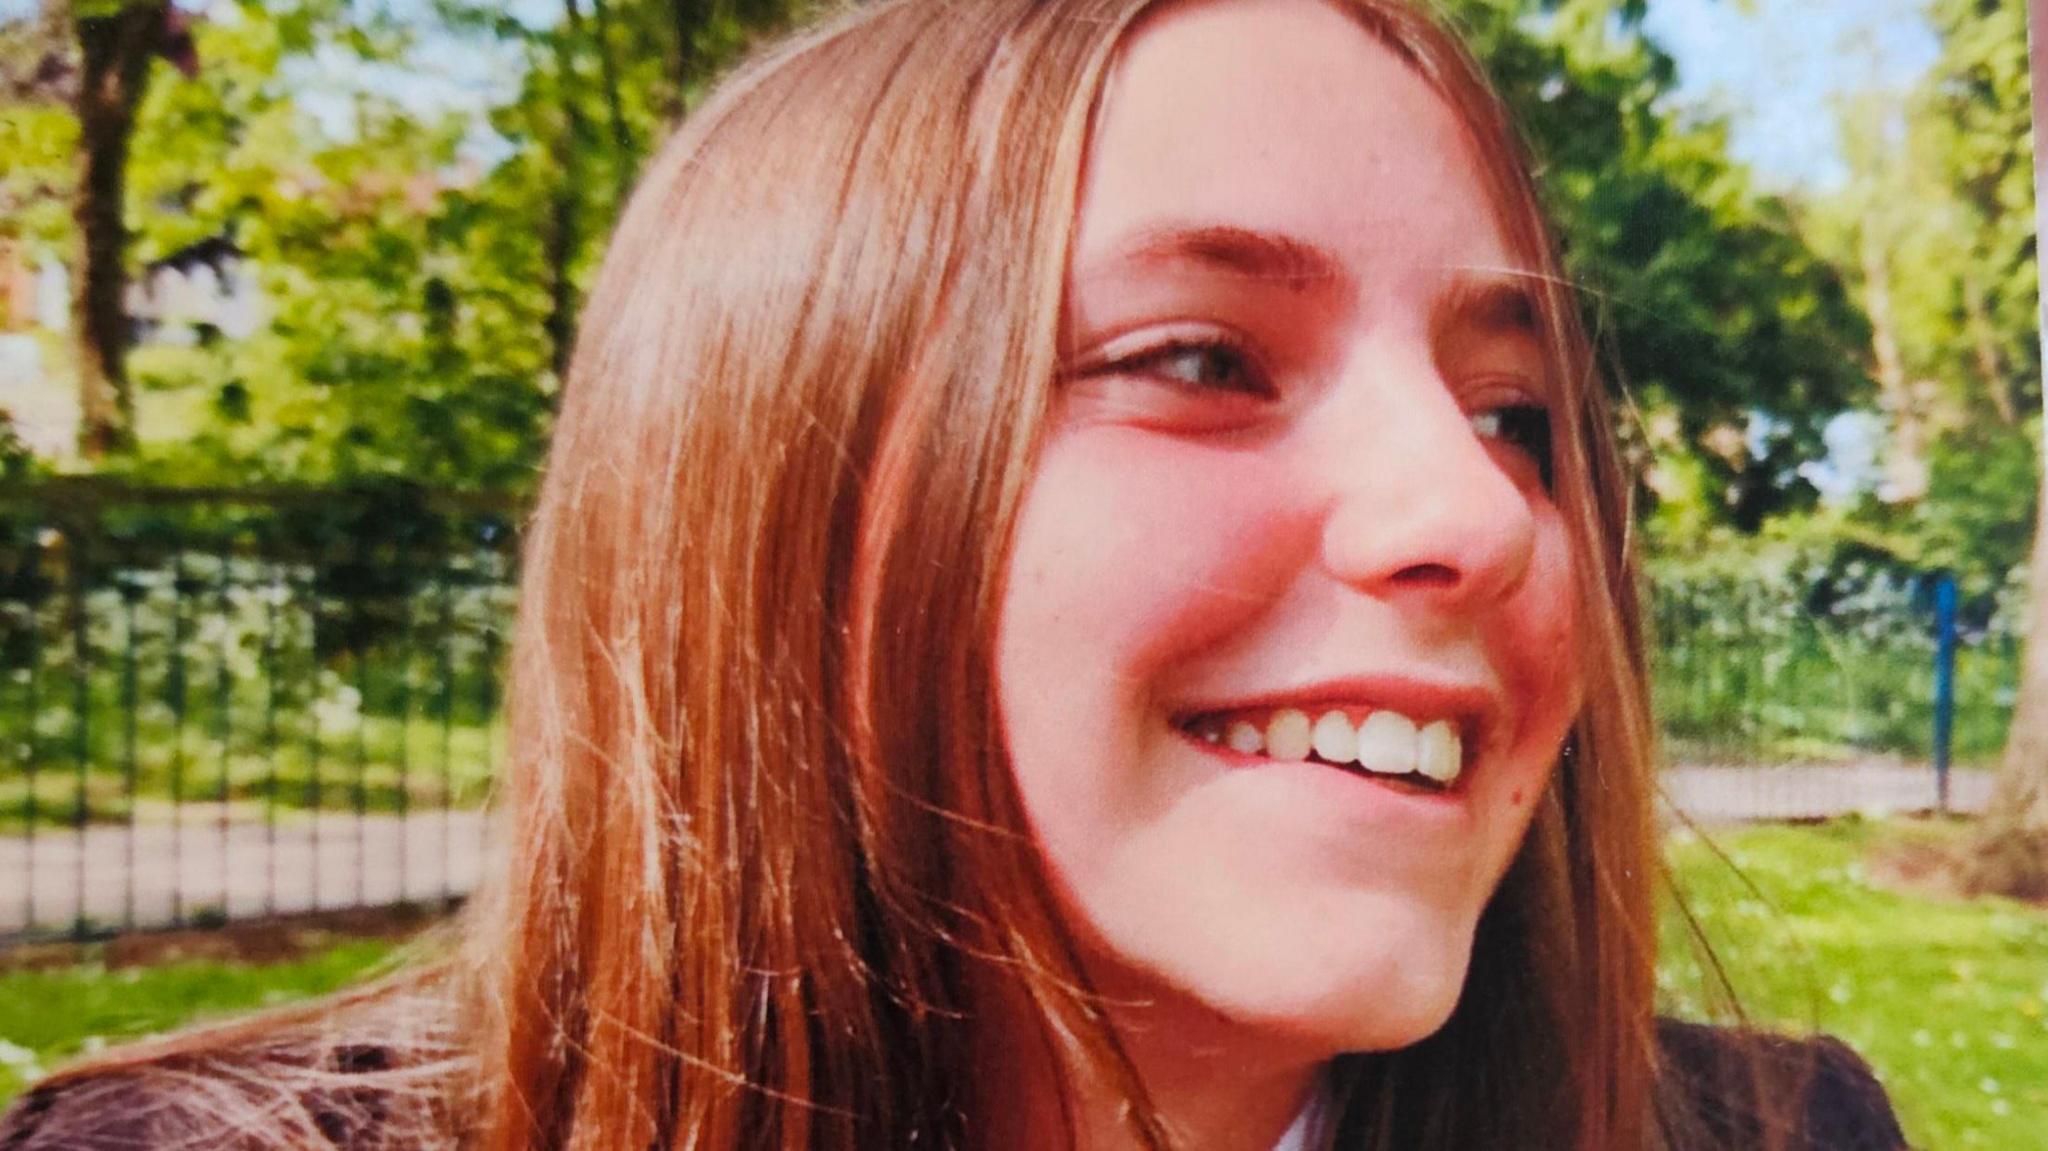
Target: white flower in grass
[[20, 1060]]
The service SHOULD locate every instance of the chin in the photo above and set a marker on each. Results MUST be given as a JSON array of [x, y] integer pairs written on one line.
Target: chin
[[1386, 997], [1400, 1010], [1384, 974]]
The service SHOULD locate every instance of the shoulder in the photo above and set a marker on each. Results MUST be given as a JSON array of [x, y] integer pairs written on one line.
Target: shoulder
[[370, 1072], [213, 1101], [1735, 1087]]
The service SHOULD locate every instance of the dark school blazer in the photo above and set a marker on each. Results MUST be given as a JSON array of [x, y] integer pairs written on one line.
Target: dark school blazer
[[1714, 1076]]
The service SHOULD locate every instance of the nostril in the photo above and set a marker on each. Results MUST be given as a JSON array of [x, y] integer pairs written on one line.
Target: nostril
[[1429, 575]]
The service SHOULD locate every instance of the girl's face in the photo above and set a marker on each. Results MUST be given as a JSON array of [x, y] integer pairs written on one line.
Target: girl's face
[[1288, 649]]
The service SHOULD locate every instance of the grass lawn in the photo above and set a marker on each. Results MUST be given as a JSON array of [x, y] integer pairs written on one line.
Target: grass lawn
[[52, 1014], [1948, 1000]]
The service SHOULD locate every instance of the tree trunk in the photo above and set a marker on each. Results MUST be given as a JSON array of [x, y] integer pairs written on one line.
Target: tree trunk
[[114, 53], [1984, 348], [559, 238], [2011, 853], [558, 248], [1905, 462], [687, 18], [624, 150]]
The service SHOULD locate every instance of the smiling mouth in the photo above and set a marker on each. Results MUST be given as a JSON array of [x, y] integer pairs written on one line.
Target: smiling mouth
[[1379, 743]]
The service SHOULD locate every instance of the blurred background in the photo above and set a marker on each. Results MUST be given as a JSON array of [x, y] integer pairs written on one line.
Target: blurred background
[[287, 288]]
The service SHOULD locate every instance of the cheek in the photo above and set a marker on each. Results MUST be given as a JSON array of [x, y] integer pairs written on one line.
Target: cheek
[[1538, 639], [1131, 554], [1134, 550]]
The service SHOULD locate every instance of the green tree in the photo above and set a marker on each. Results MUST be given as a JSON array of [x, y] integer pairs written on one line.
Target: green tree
[[345, 378], [424, 300], [1737, 340], [422, 269], [1933, 230], [38, 132], [590, 106]]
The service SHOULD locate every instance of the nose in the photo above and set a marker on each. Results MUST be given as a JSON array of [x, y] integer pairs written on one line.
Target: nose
[[1419, 507]]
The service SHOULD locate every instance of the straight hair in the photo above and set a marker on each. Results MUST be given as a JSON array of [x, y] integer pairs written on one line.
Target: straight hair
[[765, 831]]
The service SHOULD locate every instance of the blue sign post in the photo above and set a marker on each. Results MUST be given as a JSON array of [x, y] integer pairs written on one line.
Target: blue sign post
[[1944, 682]]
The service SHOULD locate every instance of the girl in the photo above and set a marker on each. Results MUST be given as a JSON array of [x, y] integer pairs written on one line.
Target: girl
[[1081, 598]]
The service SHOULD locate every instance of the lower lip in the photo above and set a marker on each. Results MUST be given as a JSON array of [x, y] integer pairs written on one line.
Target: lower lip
[[1354, 787]]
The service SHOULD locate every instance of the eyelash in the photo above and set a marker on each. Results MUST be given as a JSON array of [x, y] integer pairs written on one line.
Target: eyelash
[[1525, 427], [1146, 362]]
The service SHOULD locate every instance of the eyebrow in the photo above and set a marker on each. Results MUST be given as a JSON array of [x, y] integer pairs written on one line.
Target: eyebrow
[[1239, 252], [1499, 302]]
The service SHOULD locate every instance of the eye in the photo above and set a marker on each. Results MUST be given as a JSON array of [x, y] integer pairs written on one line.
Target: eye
[[1205, 364], [1524, 427]]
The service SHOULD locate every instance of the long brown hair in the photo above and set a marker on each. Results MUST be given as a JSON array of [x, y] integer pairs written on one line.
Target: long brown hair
[[762, 827], [760, 837]]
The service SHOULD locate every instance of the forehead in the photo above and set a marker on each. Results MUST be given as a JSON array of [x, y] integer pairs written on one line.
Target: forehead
[[1285, 117]]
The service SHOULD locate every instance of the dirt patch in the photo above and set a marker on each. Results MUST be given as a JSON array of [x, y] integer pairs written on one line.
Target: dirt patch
[[256, 942], [1927, 857], [1916, 868]]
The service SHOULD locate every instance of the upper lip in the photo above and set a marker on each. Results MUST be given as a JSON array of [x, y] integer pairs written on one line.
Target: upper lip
[[1474, 707]]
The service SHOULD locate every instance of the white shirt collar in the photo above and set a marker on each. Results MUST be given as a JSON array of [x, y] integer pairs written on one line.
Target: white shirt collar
[[1307, 1132]]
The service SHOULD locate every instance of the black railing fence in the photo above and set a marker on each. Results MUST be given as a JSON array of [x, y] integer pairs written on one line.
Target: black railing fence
[[1751, 671], [1802, 694], [217, 704], [225, 704]]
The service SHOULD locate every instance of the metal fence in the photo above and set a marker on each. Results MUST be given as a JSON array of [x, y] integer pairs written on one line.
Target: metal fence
[[1805, 694], [1803, 670], [218, 704], [226, 704]]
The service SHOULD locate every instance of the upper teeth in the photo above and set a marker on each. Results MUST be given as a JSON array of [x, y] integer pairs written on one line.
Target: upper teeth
[[1386, 743]]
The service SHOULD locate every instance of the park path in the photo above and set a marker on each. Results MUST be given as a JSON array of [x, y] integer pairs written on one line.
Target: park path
[[207, 867], [1711, 795], [201, 870]]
